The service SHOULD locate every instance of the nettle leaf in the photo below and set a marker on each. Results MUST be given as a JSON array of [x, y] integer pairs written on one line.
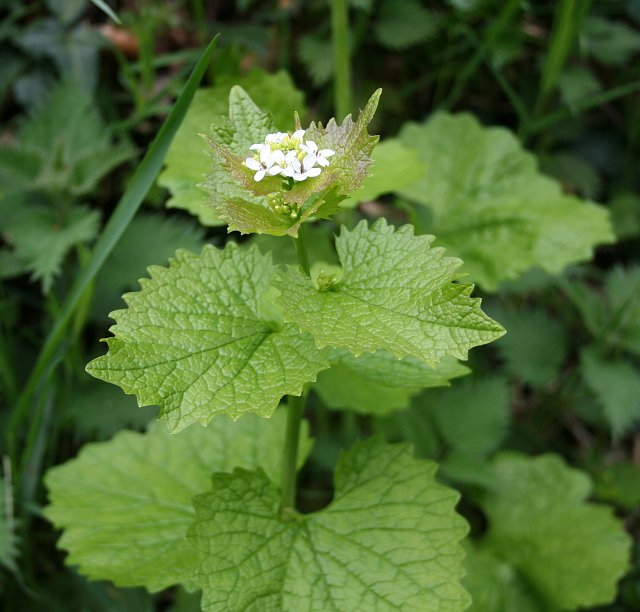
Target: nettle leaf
[[245, 207], [396, 294], [379, 383], [616, 385], [193, 342], [74, 147], [490, 205], [535, 347], [388, 540], [188, 160], [612, 315], [41, 238], [570, 552], [472, 417], [402, 23], [125, 505], [149, 239]]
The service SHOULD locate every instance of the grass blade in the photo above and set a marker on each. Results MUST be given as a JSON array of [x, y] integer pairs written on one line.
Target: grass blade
[[123, 214]]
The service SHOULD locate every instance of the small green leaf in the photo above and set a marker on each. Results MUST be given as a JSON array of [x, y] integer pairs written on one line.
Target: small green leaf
[[243, 202], [403, 23], [192, 341], [492, 207], [571, 553], [188, 160], [396, 294], [378, 383], [41, 238], [472, 417], [149, 239], [389, 540], [616, 384], [535, 346], [611, 42], [125, 505]]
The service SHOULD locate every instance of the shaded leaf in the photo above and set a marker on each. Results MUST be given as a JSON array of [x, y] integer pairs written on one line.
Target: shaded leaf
[[125, 505]]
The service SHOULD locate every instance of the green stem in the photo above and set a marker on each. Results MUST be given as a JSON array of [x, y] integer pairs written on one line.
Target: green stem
[[301, 251], [342, 80], [295, 408]]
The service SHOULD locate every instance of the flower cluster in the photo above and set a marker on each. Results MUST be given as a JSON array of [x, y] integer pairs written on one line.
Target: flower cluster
[[289, 156]]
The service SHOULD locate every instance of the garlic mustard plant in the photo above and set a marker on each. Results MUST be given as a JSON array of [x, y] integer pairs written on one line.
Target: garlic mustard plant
[[228, 333]]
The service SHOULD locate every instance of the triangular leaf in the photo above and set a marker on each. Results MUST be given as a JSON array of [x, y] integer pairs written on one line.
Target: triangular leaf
[[388, 540], [396, 294], [125, 505], [193, 342]]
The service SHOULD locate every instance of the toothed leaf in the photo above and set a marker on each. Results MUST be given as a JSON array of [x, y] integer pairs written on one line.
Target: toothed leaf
[[492, 207], [396, 294], [193, 342], [125, 505], [388, 540]]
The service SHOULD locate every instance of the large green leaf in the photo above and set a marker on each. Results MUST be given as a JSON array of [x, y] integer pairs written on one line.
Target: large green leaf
[[378, 383], [396, 293], [198, 340], [492, 207], [389, 540], [394, 166], [571, 553], [125, 505], [188, 160]]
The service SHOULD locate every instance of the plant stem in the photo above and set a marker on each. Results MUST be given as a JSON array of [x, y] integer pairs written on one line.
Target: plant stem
[[342, 78], [301, 251], [295, 408]]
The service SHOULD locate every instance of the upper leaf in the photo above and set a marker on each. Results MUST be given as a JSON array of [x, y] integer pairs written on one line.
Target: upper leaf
[[378, 383], [188, 161], [570, 552], [389, 540], [244, 206], [491, 206], [125, 505], [396, 294], [193, 340]]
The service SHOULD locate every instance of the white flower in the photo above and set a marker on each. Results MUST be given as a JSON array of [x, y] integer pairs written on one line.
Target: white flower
[[287, 155]]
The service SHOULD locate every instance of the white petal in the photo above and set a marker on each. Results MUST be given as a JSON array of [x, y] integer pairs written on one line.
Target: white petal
[[273, 170], [277, 157], [306, 149], [298, 134], [294, 163], [299, 176], [257, 147], [327, 152], [288, 171], [313, 147], [313, 172], [259, 176], [252, 164], [309, 162]]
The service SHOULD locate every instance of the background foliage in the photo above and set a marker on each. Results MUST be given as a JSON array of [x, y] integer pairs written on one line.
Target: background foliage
[[510, 130]]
